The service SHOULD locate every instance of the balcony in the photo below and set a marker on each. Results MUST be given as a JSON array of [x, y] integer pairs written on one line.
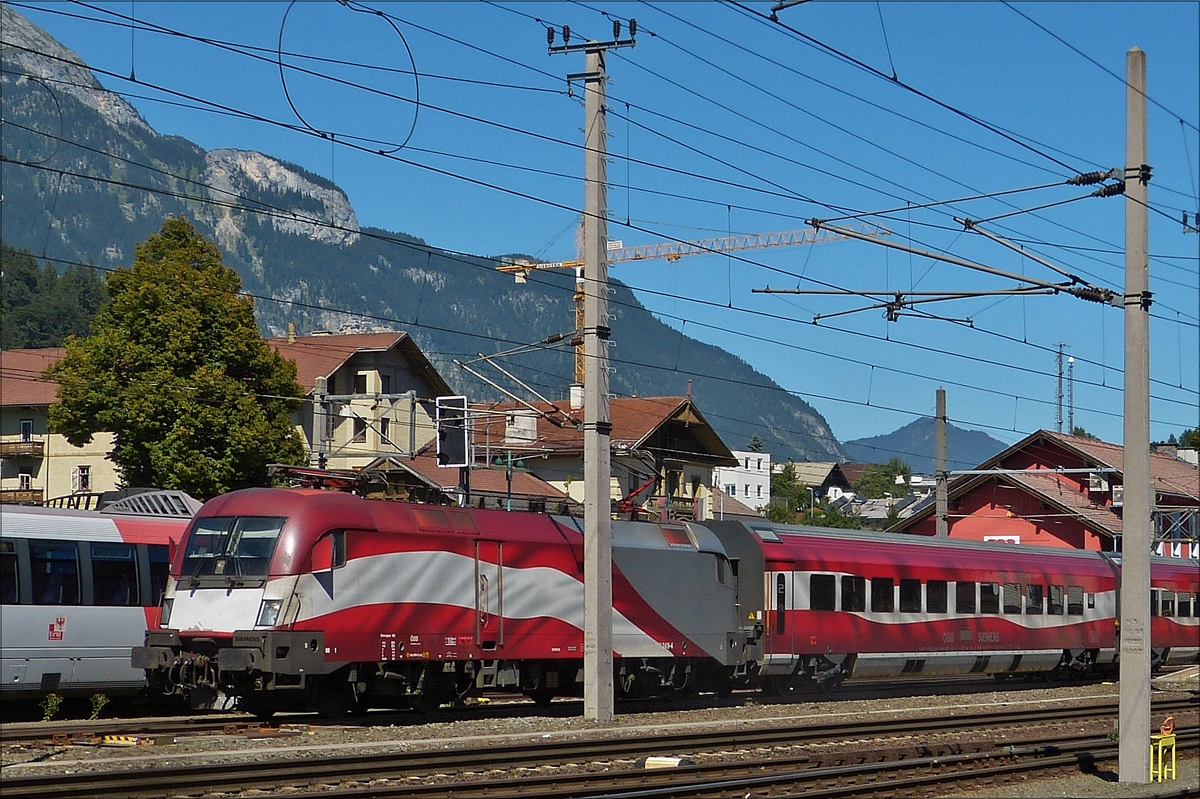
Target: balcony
[[21, 496], [22, 449]]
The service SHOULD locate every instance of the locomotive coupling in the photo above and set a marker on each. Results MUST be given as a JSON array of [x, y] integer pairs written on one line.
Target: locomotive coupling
[[158, 653]]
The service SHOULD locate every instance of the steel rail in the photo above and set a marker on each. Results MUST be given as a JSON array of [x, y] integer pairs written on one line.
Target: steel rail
[[201, 778], [876, 773]]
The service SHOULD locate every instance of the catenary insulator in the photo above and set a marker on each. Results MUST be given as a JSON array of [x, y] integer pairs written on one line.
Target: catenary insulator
[[1087, 179]]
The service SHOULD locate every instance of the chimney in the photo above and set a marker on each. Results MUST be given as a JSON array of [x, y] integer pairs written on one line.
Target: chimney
[[291, 332], [576, 396]]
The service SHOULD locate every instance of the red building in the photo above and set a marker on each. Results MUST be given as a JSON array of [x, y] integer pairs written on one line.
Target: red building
[[1057, 490]]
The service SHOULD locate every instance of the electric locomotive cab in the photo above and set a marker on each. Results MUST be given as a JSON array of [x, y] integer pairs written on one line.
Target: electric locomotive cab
[[221, 582]]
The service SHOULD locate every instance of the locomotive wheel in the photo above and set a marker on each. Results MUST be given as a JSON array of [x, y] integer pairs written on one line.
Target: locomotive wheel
[[334, 700], [781, 685], [541, 697], [426, 703]]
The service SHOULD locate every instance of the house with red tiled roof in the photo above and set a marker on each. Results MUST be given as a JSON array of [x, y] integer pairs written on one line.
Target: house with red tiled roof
[[371, 396], [663, 451], [35, 464], [1052, 489], [378, 392], [499, 485]]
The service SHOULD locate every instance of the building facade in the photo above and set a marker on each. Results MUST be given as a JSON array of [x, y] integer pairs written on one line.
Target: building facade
[[1057, 490], [749, 482], [35, 464]]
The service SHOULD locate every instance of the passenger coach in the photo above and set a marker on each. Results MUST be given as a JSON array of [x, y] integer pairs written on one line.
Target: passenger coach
[[80, 589]]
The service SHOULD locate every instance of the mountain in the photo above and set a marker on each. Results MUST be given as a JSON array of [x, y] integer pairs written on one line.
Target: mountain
[[916, 444], [90, 193]]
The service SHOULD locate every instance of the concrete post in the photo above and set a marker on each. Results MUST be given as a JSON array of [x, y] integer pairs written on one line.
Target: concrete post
[[597, 510], [943, 474], [1134, 713]]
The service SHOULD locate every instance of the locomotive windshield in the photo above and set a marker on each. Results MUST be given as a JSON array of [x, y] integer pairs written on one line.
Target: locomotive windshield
[[232, 546]]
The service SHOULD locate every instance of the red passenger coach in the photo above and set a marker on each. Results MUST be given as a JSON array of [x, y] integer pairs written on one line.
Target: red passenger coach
[[302, 598], [839, 603]]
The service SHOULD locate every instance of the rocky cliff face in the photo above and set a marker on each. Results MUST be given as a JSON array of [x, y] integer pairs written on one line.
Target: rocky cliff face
[[237, 173], [38, 54]]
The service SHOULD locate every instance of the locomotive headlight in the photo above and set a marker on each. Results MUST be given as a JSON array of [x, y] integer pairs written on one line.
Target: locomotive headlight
[[164, 618], [268, 614]]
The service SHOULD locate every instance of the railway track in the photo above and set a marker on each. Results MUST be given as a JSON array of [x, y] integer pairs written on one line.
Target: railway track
[[498, 706], [903, 772], [387, 769]]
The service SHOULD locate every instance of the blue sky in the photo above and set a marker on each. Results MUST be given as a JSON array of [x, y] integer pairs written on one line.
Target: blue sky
[[723, 122]]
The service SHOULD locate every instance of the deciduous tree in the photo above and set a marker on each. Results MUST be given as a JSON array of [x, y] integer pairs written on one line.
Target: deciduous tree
[[176, 368]]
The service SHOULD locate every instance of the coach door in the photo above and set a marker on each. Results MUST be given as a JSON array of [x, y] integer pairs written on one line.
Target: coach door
[[489, 594], [780, 593]]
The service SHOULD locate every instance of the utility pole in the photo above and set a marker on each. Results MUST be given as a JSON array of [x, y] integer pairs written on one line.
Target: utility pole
[[1071, 396], [943, 523], [320, 435], [1134, 709], [1058, 391], [597, 471]]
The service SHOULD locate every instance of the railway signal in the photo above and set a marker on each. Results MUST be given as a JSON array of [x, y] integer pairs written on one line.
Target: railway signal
[[453, 435]]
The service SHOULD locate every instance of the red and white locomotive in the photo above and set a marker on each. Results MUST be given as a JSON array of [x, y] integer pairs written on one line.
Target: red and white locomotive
[[295, 598]]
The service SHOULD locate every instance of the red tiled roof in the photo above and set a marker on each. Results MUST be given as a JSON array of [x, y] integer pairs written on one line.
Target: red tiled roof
[[487, 481], [853, 471], [1170, 475], [21, 381], [633, 420], [320, 356], [1053, 491]]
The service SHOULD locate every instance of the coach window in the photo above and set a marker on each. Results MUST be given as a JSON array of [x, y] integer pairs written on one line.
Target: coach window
[[883, 595], [8, 573], [1033, 600], [55, 566], [114, 574], [1056, 600], [1185, 604], [1154, 592], [821, 590], [1012, 599], [160, 569], [936, 594], [964, 598], [989, 597], [910, 596], [854, 594], [1167, 603], [1074, 600]]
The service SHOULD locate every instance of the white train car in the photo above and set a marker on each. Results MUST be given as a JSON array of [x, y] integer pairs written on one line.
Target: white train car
[[79, 589]]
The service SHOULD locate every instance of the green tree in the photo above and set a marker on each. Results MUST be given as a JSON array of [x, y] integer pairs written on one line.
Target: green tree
[[1079, 431], [176, 368], [755, 444], [786, 492], [39, 307], [879, 479], [1190, 438]]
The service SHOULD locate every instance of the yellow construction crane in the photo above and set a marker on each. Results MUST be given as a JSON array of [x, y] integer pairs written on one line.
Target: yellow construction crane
[[673, 251]]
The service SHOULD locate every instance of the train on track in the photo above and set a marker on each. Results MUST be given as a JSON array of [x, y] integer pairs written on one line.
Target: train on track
[[79, 589], [308, 599]]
